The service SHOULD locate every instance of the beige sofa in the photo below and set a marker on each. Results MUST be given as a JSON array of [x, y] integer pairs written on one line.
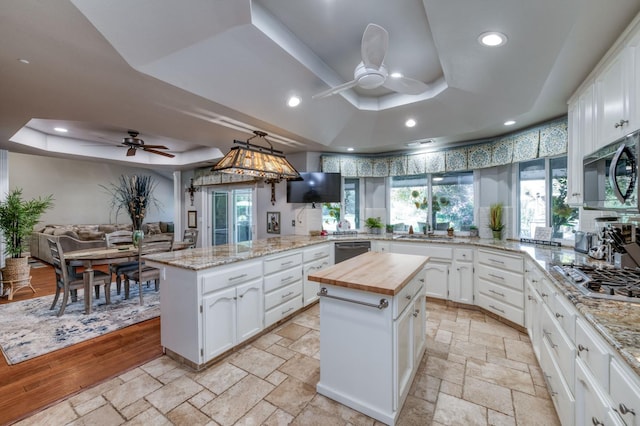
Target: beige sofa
[[78, 237]]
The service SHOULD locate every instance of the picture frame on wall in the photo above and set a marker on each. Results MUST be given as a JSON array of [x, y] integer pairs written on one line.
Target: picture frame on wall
[[192, 219], [273, 222]]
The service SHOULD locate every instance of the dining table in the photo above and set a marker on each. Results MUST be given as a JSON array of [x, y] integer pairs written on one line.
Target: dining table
[[88, 258]]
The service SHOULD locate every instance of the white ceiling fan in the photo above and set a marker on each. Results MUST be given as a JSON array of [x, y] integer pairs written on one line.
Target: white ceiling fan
[[371, 72]]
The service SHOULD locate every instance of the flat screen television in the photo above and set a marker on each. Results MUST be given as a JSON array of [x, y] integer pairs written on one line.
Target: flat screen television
[[314, 187]]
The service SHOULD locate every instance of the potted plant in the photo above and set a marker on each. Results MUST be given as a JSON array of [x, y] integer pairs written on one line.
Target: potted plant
[[495, 220], [389, 228], [17, 219], [450, 230], [134, 194], [473, 231], [374, 224]]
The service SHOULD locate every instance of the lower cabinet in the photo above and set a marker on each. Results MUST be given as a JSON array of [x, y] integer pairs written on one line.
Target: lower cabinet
[[559, 391], [437, 277], [625, 394], [231, 316], [592, 404]]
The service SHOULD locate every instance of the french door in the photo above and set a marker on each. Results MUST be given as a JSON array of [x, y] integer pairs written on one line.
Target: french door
[[231, 218]]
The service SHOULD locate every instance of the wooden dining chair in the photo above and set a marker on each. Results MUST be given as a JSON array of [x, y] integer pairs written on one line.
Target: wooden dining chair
[[115, 239], [153, 244], [190, 236], [68, 281]]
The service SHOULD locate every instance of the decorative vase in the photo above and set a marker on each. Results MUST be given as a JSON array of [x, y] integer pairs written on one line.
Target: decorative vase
[[16, 269], [497, 235], [136, 237]]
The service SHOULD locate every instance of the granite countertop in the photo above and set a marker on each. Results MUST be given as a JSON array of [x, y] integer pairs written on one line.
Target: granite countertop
[[618, 322]]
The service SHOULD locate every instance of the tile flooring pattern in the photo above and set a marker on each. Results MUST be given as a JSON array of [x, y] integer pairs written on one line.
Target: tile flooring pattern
[[476, 371]]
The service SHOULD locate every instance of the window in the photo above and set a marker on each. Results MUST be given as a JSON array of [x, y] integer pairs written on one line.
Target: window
[[330, 216], [435, 201], [543, 196], [352, 202]]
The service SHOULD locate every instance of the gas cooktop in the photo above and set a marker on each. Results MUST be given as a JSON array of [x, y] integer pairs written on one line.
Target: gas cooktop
[[604, 283]]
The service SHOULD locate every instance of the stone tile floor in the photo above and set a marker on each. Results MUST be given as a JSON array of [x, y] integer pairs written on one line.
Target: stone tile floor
[[476, 371]]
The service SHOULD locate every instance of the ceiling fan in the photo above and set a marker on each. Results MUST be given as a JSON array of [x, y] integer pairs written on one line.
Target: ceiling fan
[[133, 142], [371, 72]]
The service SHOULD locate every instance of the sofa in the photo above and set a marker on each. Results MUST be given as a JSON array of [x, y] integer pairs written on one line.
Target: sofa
[[79, 237]]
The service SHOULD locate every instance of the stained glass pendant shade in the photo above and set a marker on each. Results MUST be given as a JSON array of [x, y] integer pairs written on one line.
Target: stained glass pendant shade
[[255, 160]]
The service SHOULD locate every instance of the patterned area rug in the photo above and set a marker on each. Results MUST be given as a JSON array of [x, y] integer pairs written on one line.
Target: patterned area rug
[[31, 329]]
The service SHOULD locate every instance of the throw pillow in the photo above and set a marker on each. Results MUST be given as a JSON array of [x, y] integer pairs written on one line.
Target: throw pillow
[[170, 227], [153, 228], [71, 234], [107, 229], [90, 235]]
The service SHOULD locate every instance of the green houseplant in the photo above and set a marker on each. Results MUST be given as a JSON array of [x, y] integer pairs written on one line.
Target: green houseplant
[[17, 219], [473, 231], [495, 220], [374, 224]]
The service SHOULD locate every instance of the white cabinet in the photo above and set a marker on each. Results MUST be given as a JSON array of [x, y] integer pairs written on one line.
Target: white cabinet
[[282, 286], [231, 316], [461, 276], [314, 259], [436, 279], [500, 284], [581, 141], [380, 246], [592, 404], [625, 393], [533, 306], [437, 270], [559, 391]]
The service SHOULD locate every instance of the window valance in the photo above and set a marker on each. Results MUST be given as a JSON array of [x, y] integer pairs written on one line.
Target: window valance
[[545, 140]]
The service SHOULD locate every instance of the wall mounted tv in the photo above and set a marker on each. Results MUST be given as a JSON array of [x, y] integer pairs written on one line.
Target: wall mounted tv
[[314, 187]]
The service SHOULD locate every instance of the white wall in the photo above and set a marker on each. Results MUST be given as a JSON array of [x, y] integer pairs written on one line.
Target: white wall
[[75, 186]]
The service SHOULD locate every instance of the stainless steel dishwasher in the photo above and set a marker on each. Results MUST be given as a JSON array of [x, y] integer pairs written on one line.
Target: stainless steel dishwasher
[[347, 249]]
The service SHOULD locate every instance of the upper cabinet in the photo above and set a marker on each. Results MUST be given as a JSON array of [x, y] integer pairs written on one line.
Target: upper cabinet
[[581, 140]]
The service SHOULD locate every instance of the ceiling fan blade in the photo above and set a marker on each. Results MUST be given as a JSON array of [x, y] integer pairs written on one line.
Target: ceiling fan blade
[[131, 152], [405, 85], [155, 146], [166, 154], [375, 42], [335, 90]]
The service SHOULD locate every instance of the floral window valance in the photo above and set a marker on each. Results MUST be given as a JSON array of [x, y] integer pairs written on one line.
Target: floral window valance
[[546, 140]]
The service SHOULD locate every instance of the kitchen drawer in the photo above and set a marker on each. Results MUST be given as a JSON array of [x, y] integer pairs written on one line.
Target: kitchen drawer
[[502, 309], [282, 278], [561, 394], [315, 253], [282, 295], [231, 275], [501, 260], [502, 277], [594, 352], [565, 314], [405, 296], [501, 293], [625, 393], [547, 292], [594, 407], [561, 347], [439, 252], [463, 254], [274, 315], [275, 264]]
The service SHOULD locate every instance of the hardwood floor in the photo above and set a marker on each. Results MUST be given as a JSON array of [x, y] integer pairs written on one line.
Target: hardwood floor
[[32, 385]]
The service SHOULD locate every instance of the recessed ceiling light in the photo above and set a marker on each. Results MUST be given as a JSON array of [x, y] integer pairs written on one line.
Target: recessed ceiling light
[[349, 149], [396, 75], [410, 122], [509, 123], [24, 61], [492, 39], [293, 101], [60, 129]]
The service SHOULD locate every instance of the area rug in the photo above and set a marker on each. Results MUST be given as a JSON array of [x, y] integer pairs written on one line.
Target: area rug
[[30, 329]]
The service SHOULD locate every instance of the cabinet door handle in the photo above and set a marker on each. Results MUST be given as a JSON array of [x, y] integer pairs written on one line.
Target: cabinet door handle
[[558, 315], [416, 312], [582, 348], [624, 410], [544, 295], [421, 280], [496, 292], [548, 334], [621, 123], [408, 297], [552, 393], [596, 422]]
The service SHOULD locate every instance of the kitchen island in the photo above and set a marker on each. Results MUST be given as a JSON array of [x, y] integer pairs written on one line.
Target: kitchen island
[[372, 331]]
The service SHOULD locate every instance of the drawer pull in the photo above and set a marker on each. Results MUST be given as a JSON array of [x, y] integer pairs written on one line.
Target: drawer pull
[[558, 315], [287, 295], [237, 277], [408, 297], [582, 348], [421, 280], [620, 123], [287, 311], [416, 312], [496, 261], [286, 263], [496, 292], [596, 422], [624, 410], [548, 334], [384, 303], [496, 276], [286, 279], [544, 295], [321, 254], [497, 309]]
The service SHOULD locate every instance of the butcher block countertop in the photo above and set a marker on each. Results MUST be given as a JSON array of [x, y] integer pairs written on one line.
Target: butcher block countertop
[[382, 273]]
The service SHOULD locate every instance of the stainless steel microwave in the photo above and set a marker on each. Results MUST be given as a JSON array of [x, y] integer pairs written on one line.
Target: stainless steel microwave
[[611, 176]]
